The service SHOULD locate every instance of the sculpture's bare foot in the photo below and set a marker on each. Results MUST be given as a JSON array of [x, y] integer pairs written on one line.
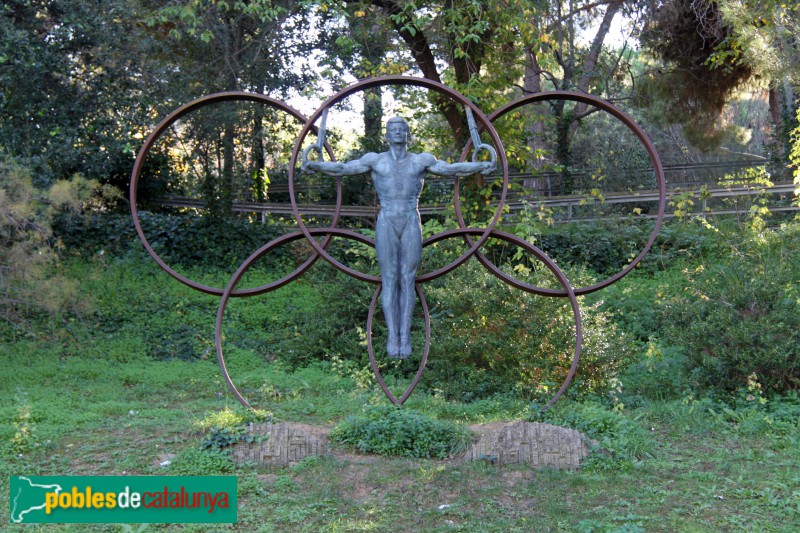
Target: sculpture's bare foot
[[405, 347], [393, 348]]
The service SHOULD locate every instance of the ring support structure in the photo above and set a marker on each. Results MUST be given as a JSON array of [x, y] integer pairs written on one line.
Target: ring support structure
[[475, 238]]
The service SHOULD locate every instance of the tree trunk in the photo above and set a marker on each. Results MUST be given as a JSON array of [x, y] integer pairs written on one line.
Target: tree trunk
[[534, 126], [776, 115], [564, 150], [590, 64], [259, 159], [227, 190], [373, 119], [423, 56]]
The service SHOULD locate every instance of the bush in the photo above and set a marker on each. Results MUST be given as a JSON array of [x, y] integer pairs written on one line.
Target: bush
[[227, 427], [492, 338], [392, 431], [607, 247], [622, 440], [191, 241], [194, 462], [29, 281], [659, 375], [742, 316]]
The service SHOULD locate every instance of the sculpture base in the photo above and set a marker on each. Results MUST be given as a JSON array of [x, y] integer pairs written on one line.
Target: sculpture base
[[534, 444]]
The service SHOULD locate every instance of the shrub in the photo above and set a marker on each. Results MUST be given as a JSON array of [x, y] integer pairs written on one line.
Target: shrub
[[742, 316], [607, 247], [227, 427], [493, 338], [622, 439], [28, 280], [392, 431], [659, 375], [194, 462], [180, 239]]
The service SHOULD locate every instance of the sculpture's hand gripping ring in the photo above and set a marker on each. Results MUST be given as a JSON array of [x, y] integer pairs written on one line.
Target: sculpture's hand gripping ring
[[320, 144], [478, 146]]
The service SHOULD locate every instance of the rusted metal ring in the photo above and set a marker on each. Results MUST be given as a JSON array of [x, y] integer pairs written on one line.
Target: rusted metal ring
[[230, 288], [231, 96], [654, 158], [399, 80], [425, 351], [557, 272], [483, 234]]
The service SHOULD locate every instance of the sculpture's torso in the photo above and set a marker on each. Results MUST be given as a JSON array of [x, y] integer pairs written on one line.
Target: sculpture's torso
[[399, 182]]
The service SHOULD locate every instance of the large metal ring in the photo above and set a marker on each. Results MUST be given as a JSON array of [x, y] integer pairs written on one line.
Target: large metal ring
[[173, 117], [557, 272], [654, 158], [230, 289], [398, 80]]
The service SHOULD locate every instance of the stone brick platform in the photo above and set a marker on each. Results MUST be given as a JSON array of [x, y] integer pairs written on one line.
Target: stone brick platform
[[535, 444], [532, 443]]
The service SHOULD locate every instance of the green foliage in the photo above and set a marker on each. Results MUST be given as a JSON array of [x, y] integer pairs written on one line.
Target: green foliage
[[194, 462], [740, 316], [24, 424], [714, 316], [760, 31], [606, 248], [621, 441], [72, 87], [496, 339], [391, 431], [334, 325], [660, 374], [755, 207], [227, 427], [208, 242], [638, 302], [688, 37], [794, 157]]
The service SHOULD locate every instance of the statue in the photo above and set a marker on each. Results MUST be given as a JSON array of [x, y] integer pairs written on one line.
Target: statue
[[398, 177]]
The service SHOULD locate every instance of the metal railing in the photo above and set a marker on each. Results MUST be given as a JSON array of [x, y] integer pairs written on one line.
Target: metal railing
[[568, 203]]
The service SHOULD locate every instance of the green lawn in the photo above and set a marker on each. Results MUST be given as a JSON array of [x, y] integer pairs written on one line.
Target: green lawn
[[85, 415], [86, 396]]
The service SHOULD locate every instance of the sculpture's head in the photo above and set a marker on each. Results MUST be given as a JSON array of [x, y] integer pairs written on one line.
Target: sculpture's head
[[398, 130]]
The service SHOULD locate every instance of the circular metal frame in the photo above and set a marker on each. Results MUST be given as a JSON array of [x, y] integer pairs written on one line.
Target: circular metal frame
[[568, 291], [474, 237], [399, 80], [654, 159], [231, 96], [230, 289]]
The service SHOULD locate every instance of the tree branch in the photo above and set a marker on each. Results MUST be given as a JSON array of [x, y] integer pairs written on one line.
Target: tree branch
[[423, 56]]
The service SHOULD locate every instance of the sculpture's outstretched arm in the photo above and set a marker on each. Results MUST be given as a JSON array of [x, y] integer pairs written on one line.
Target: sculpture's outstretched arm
[[335, 168], [443, 168]]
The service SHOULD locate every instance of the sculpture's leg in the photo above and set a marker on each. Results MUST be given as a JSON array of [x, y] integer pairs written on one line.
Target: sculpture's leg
[[411, 254], [387, 246]]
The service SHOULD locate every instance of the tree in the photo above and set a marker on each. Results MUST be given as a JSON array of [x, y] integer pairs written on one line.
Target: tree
[[71, 80], [712, 49], [766, 37], [260, 46], [483, 49], [559, 62]]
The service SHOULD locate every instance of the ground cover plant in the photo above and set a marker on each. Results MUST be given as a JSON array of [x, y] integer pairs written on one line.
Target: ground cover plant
[[129, 385]]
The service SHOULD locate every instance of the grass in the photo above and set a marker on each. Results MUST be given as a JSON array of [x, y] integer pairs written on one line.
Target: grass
[[90, 396]]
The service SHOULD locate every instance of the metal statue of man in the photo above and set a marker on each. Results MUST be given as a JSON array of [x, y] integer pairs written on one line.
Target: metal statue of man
[[398, 176]]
